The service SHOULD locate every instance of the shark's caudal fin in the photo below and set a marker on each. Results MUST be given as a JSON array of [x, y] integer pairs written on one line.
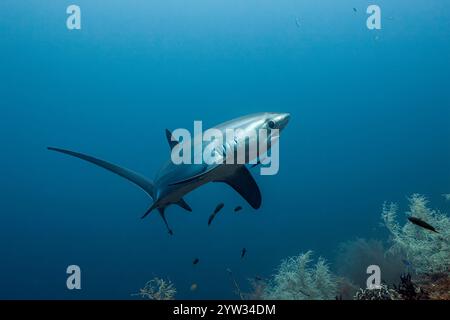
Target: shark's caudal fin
[[144, 183]]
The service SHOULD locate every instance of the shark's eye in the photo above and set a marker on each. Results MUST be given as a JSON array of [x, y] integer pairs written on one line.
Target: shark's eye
[[271, 124]]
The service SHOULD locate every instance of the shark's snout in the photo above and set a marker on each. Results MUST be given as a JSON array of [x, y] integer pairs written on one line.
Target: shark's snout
[[282, 120]]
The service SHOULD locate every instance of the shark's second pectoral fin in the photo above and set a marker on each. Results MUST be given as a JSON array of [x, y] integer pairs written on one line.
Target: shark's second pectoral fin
[[242, 181]]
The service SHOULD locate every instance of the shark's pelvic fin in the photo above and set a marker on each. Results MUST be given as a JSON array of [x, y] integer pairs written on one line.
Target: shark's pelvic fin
[[163, 216], [242, 181], [141, 181], [153, 206], [184, 205], [172, 143]]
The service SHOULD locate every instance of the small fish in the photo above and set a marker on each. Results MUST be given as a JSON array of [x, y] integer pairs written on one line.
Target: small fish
[[194, 287], [406, 262], [196, 260], [218, 208], [446, 196], [298, 24], [354, 9], [258, 278], [244, 251], [216, 211], [238, 208], [211, 218], [421, 223]]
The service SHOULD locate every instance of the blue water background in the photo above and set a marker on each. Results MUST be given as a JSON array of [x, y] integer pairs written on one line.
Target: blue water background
[[370, 122]]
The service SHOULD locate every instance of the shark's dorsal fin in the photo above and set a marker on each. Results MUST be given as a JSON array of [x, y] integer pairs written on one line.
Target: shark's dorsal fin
[[171, 142], [242, 181]]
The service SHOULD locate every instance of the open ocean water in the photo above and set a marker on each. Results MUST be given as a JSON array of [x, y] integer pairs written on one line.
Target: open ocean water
[[370, 122]]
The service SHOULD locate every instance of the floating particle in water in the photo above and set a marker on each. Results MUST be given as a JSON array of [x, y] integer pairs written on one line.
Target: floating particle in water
[[243, 252], [196, 260]]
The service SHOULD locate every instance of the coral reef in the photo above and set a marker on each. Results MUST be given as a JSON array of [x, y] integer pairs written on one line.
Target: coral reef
[[346, 290], [295, 279], [353, 258], [382, 293], [428, 252], [158, 289], [423, 254], [237, 289], [408, 290], [446, 196], [427, 287], [258, 289], [436, 285]]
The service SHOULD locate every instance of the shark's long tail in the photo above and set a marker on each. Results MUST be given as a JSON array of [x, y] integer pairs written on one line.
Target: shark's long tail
[[141, 181]]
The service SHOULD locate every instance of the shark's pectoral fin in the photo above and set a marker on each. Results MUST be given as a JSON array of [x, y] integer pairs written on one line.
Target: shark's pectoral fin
[[184, 205], [242, 181]]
